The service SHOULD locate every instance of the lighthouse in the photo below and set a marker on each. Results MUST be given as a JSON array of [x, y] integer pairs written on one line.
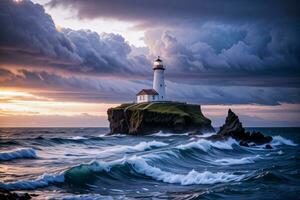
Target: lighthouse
[[159, 79], [157, 93]]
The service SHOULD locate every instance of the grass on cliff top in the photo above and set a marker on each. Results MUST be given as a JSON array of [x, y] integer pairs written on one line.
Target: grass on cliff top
[[177, 108]]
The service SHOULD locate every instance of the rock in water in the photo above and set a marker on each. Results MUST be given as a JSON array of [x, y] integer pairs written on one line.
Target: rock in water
[[147, 118], [7, 195], [234, 128]]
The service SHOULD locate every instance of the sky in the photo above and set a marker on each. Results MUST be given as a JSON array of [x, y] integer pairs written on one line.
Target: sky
[[65, 62]]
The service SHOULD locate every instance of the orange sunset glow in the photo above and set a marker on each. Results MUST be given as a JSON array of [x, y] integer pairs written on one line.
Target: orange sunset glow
[[20, 109]]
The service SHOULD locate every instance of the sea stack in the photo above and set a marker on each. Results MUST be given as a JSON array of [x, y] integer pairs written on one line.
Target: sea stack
[[234, 128]]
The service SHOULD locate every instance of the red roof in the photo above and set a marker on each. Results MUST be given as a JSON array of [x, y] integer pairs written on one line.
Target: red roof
[[147, 92]]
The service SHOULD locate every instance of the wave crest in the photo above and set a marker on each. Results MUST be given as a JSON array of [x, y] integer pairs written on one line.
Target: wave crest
[[278, 140], [192, 177], [140, 166], [142, 146], [205, 145], [236, 161], [18, 153], [42, 181]]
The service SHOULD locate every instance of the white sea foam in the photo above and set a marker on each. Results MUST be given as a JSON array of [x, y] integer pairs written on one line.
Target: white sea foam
[[112, 135], [41, 181], [162, 134], [192, 177], [280, 152], [148, 145], [236, 161], [205, 135], [18, 153], [78, 138], [142, 146], [87, 197], [205, 145], [278, 140], [140, 165]]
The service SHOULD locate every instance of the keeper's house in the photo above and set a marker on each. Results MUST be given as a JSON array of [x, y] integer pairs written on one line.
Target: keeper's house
[[147, 95]]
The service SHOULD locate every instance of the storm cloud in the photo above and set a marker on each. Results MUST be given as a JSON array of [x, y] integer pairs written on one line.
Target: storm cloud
[[253, 58], [29, 37], [169, 12], [219, 53], [222, 40]]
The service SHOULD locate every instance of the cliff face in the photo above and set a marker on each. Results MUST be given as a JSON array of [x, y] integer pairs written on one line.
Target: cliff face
[[146, 118]]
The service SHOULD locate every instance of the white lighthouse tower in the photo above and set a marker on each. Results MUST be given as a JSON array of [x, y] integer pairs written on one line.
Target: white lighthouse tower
[[157, 93], [159, 79]]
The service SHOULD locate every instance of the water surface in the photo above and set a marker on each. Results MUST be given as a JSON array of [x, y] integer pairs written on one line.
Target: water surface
[[83, 163]]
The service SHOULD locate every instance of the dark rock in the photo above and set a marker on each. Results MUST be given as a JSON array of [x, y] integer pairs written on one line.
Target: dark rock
[[234, 128], [147, 118], [259, 138], [268, 146], [7, 195]]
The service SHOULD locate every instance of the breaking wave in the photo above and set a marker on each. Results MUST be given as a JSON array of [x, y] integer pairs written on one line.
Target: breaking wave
[[18, 153], [162, 134], [278, 140], [142, 146], [134, 166], [183, 161], [205, 145], [192, 177], [139, 165], [234, 161], [78, 138], [42, 181]]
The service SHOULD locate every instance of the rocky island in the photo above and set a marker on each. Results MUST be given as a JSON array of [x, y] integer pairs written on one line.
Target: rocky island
[[177, 117], [151, 117], [152, 113]]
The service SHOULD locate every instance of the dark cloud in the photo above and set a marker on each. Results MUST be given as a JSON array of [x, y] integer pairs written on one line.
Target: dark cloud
[[234, 42], [29, 33], [207, 63], [253, 56], [184, 11], [29, 37], [233, 94]]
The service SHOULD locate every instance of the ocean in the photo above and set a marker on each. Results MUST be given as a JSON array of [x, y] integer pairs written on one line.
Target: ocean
[[84, 163]]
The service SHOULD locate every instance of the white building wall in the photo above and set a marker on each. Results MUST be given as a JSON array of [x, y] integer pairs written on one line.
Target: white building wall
[[159, 83], [146, 98]]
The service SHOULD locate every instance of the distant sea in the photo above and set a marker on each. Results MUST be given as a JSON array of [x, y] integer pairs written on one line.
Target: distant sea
[[83, 163]]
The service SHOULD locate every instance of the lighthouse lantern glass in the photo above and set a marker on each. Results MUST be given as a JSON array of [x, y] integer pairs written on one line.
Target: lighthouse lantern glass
[[157, 63]]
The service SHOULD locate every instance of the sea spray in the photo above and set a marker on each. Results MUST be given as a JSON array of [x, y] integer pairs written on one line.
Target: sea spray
[[279, 140]]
